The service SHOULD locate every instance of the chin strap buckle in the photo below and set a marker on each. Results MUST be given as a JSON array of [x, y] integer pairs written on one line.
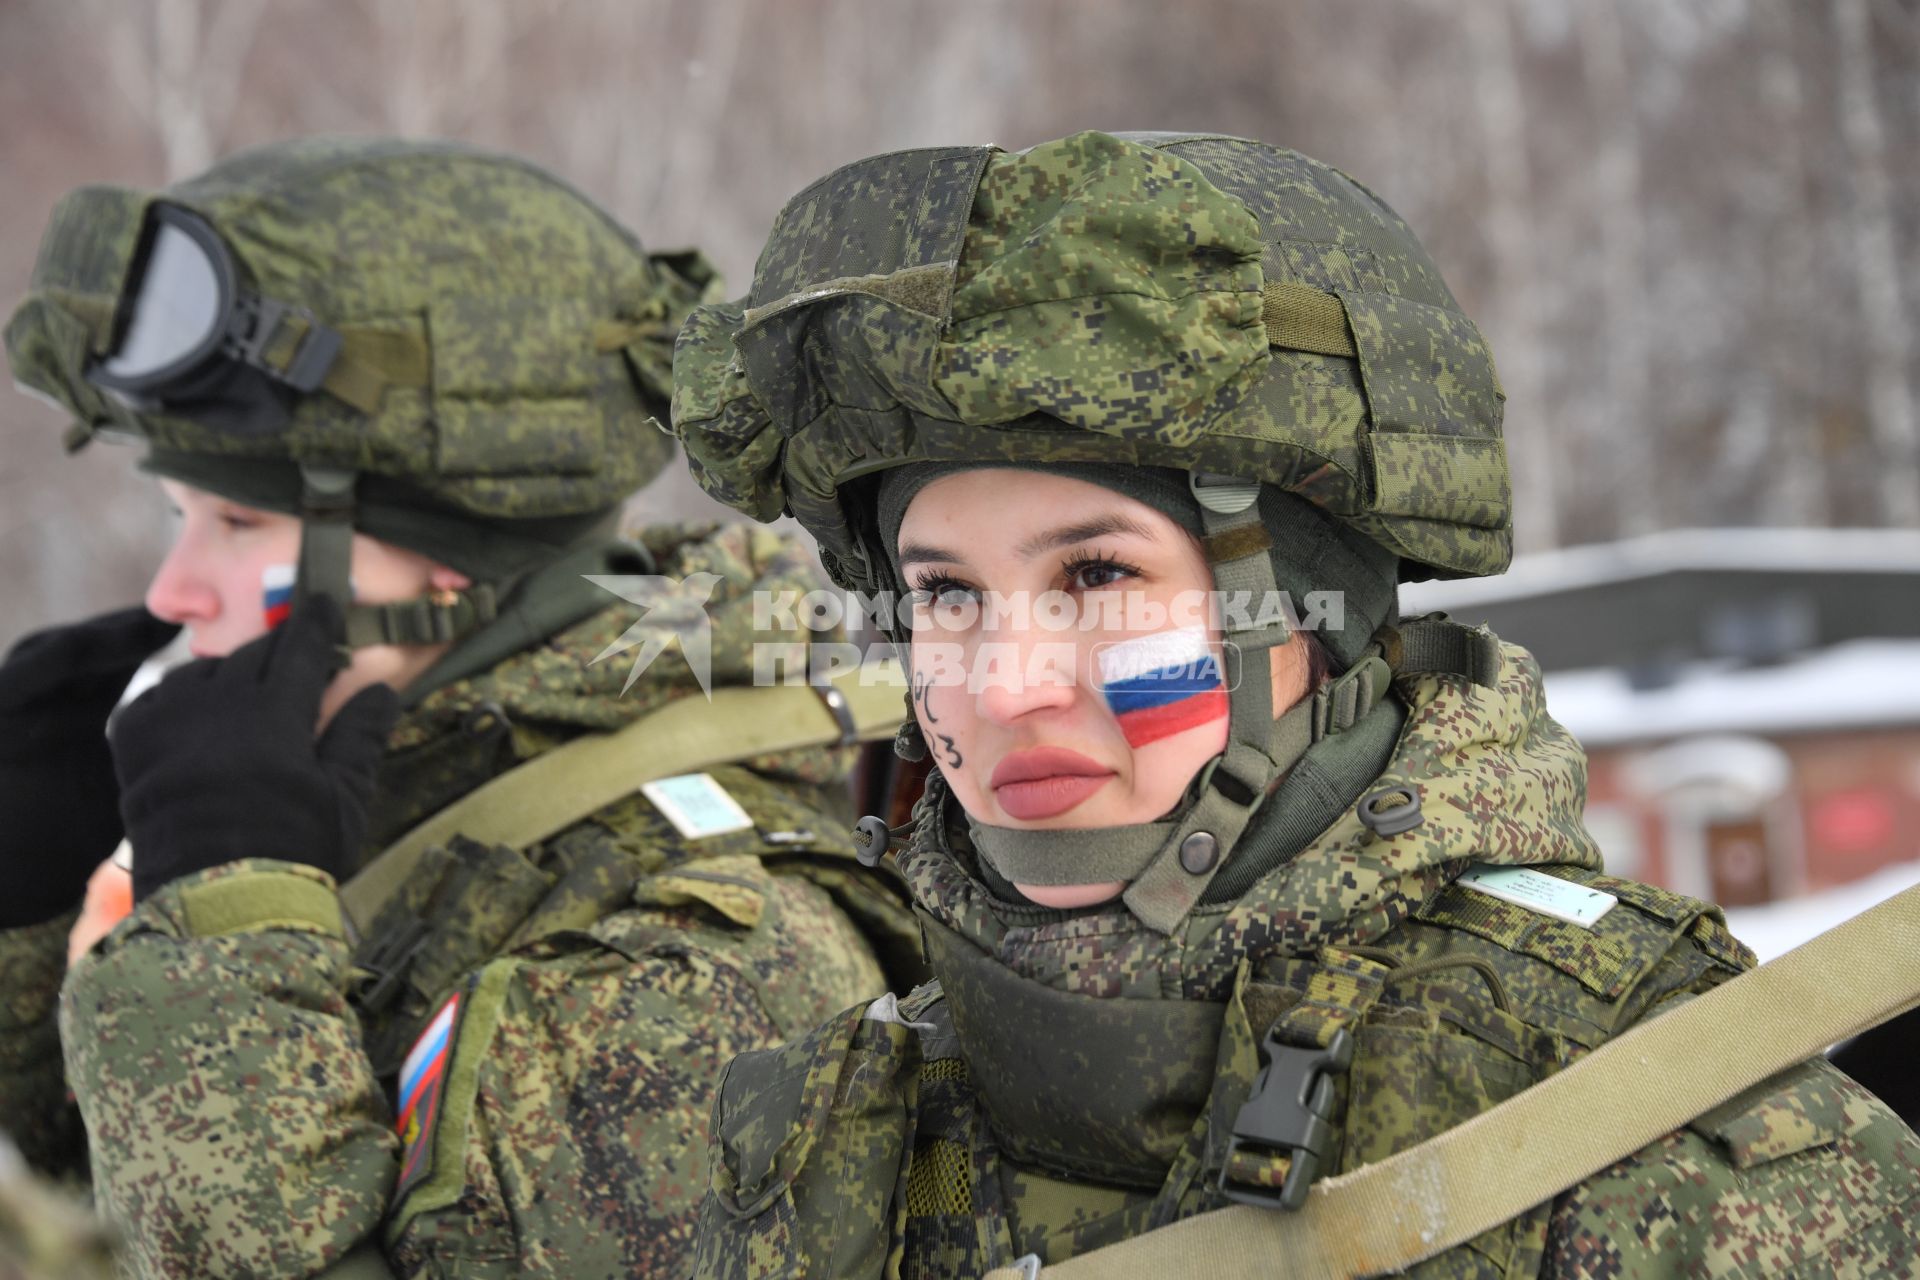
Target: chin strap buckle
[[1289, 1115]]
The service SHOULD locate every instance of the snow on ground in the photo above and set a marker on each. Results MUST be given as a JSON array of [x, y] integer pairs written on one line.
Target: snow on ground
[[1782, 926]]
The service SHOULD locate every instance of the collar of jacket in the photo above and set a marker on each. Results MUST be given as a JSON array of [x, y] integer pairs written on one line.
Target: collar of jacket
[[1498, 780]]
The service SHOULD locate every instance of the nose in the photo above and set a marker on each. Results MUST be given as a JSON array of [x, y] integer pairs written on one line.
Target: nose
[[1026, 676], [178, 593]]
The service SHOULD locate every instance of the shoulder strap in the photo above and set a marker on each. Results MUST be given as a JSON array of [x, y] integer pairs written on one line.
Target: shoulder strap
[[1388, 1216], [553, 791]]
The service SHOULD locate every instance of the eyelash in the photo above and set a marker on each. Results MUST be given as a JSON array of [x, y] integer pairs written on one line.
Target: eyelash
[[929, 587], [1082, 562]]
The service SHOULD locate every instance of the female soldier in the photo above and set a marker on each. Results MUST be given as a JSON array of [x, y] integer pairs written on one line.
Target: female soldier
[[427, 377], [1164, 849]]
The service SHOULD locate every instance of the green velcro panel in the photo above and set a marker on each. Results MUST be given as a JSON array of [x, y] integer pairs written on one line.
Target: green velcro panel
[[1459, 479], [1237, 544], [472, 1038], [1601, 964], [266, 900]]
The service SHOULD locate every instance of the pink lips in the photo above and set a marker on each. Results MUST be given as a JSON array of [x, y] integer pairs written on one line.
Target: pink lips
[[1044, 782]]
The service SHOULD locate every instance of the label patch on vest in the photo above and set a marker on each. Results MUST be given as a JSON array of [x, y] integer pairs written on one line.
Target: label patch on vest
[[423, 1080], [696, 805], [1538, 891]]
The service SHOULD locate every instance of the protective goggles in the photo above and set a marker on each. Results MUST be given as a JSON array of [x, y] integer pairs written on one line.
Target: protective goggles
[[190, 333]]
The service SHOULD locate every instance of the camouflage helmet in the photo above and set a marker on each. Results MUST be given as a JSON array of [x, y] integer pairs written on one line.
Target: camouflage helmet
[[1229, 309], [475, 350], [1194, 301]]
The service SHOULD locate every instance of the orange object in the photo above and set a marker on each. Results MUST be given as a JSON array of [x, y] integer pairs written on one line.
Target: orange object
[[109, 901]]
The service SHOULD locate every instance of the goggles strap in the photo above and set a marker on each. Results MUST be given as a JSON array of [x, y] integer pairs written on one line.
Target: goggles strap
[[284, 342]]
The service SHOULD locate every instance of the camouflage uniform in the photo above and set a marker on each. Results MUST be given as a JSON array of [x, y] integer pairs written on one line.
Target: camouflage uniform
[[44, 1235], [1076, 1077], [235, 1052]]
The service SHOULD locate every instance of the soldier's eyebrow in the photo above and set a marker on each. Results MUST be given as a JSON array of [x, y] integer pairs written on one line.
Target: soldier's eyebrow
[[1082, 531], [922, 553], [1039, 544]]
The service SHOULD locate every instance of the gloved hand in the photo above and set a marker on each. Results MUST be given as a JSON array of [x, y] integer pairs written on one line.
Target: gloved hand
[[219, 761], [59, 805]]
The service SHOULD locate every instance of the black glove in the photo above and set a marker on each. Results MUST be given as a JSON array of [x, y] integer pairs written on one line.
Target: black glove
[[219, 760], [59, 806]]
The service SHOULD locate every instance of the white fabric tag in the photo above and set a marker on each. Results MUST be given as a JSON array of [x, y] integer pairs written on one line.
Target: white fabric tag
[[696, 805], [1537, 891]]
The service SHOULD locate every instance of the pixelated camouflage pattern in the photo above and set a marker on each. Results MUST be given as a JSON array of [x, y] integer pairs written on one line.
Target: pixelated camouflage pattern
[[45, 1232], [1098, 298], [238, 1088], [1045, 1073], [548, 329], [1823, 1191], [35, 1111]]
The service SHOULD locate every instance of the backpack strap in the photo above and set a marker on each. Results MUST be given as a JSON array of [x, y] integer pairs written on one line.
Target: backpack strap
[[552, 791], [1539, 1143]]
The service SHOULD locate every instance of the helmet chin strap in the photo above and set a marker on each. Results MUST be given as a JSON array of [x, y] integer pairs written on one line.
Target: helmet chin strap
[[326, 562]]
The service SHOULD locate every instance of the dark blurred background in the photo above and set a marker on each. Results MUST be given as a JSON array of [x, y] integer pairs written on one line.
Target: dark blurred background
[[1689, 229]]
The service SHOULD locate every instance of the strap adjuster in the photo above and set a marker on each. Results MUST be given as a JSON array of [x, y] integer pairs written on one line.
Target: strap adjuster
[[286, 343], [1289, 1113]]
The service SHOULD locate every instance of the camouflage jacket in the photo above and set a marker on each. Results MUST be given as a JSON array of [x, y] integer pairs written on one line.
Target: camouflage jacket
[[511, 1072], [45, 1232], [1073, 1079]]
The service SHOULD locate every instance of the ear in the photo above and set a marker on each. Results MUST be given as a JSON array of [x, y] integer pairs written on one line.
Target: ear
[[1287, 667], [441, 578]]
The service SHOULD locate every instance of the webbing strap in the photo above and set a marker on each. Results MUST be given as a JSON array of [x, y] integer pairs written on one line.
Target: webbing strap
[[1386, 1217], [1436, 643], [369, 361], [438, 618], [1299, 317], [553, 791]]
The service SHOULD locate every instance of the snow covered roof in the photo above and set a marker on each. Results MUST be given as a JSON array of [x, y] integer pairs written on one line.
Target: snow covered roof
[[1891, 551], [1854, 685], [1659, 603]]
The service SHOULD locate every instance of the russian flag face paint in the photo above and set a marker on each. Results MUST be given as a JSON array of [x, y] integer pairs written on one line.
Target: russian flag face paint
[[276, 593], [1162, 684]]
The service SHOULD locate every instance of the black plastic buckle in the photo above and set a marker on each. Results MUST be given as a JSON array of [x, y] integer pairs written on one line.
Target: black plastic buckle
[[1290, 1113], [254, 326]]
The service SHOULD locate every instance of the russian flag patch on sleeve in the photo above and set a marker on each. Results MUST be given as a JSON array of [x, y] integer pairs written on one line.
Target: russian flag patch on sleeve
[[423, 1079]]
